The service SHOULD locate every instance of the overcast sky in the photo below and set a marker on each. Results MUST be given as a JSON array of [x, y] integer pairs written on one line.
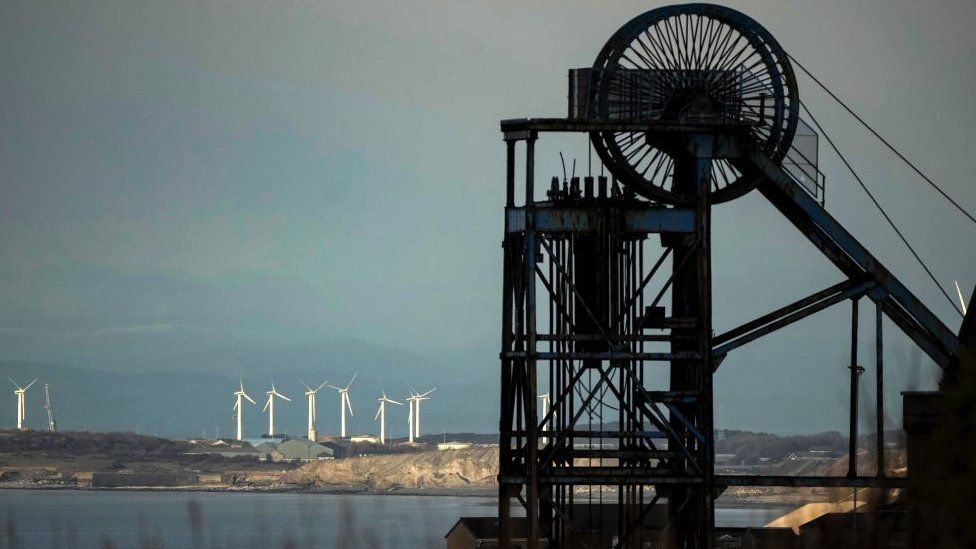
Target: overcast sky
[[285, 172]]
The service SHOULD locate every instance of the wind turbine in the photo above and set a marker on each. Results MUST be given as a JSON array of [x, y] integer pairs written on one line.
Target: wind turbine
[[238, 409], [21, 409], [269, 406], [310, 393], [344, 403], [381, 414], [544, 410], [418, 398]]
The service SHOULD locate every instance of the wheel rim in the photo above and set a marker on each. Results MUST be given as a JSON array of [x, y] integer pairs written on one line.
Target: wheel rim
[[691, 62]]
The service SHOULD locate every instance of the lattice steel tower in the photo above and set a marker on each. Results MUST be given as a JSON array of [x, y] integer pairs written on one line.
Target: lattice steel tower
[[607, 305]]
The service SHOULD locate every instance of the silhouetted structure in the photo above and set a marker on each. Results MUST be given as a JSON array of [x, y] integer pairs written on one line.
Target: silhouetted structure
[[686, 106]]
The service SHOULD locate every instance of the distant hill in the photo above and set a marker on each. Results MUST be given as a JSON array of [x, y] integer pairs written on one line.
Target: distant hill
[[176, 349], [750, 448]]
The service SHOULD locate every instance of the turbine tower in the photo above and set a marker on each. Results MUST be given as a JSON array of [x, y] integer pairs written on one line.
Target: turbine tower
[[238, 409], [269, 406], [52, 424], [21, 409], [381, 414], [310, 393], [344, 403], [410, 403], [418, 398]]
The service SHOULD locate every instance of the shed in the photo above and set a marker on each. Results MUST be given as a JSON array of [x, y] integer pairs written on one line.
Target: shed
[[300, 449], [453, 445]]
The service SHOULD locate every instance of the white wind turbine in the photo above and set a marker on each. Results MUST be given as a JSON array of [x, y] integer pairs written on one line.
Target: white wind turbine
[[543, 411], [381, 414], [21, 408], [310, 393], [417, 399], [269, 406], [239, 395], [344, 403]]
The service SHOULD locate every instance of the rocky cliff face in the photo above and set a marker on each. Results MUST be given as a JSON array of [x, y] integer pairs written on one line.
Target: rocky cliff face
[[448, 469]]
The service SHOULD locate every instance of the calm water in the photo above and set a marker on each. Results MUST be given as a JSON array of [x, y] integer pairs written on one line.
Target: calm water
[[89, 519]]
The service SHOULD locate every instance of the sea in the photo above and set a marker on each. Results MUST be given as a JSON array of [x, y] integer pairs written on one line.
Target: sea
[[86, 519]]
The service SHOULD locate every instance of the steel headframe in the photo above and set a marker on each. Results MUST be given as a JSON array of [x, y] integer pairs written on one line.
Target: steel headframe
[[583, 290]]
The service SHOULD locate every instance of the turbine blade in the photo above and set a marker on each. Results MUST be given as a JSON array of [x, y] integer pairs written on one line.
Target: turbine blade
[[283, 396], [349, 404], [378, 410], [249, 398], [394, 402], [334, 387], [348, 385], [962, 301], [14, 382], [307, 388], [266, 404], [319, 387], [429, 392], [29, 384]]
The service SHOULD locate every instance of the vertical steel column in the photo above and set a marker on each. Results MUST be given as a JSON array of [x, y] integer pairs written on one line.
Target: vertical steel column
[[505, 415], [691, 506], [879, 378], [852, 442], [509, 173], [706, 454], [531, 417]]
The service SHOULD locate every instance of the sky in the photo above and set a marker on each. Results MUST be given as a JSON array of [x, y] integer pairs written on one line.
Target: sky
[[281, 173]]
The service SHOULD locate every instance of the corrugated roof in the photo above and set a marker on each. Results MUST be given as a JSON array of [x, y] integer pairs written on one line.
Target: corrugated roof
[[300, 448]]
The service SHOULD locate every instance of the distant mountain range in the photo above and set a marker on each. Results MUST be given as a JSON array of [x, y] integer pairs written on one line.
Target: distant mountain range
[[169, 348]]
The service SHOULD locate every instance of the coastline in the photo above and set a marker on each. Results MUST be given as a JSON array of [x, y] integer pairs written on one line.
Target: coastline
[[282, 489]]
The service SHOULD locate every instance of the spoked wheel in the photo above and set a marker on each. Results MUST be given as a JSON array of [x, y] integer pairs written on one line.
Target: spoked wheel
[[692, 64]]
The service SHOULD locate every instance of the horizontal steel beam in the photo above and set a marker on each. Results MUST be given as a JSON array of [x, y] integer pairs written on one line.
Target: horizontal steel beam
[[578, 220], [622, 476], [600, 337], [606, 479], [613, 453], [588, 434], [518, 127], [661, 357]]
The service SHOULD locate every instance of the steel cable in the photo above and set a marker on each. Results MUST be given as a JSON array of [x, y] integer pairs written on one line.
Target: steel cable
[[883, 140], [878, 206]]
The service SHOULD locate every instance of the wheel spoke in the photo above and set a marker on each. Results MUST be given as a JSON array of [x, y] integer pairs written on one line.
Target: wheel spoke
[[699, 64]]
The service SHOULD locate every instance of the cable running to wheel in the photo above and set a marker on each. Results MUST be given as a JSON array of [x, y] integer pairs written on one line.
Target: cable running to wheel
[[878, 206], [883, 140]]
